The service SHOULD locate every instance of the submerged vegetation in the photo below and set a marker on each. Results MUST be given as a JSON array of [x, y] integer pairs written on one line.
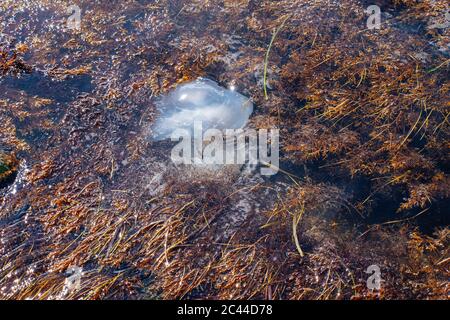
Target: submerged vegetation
[[363, 119], [8, 168]]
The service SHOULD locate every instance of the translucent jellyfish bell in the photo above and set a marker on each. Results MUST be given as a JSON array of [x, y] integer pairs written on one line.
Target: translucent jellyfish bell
[[201, 100]]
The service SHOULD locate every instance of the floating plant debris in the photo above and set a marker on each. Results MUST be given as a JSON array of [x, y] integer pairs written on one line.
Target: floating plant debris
[[201, 100], [10, 62]]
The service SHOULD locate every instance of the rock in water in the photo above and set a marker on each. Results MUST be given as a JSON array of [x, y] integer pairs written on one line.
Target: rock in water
[[200, 100], [8, 168]]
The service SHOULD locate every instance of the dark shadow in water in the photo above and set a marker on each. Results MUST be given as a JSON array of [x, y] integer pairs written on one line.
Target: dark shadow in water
[[385, 205], [39, 84], [8, 181]]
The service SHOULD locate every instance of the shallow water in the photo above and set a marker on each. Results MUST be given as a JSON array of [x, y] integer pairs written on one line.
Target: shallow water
[[91, 180]]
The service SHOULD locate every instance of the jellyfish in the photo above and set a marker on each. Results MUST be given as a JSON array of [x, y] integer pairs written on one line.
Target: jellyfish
[[204, 101]]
